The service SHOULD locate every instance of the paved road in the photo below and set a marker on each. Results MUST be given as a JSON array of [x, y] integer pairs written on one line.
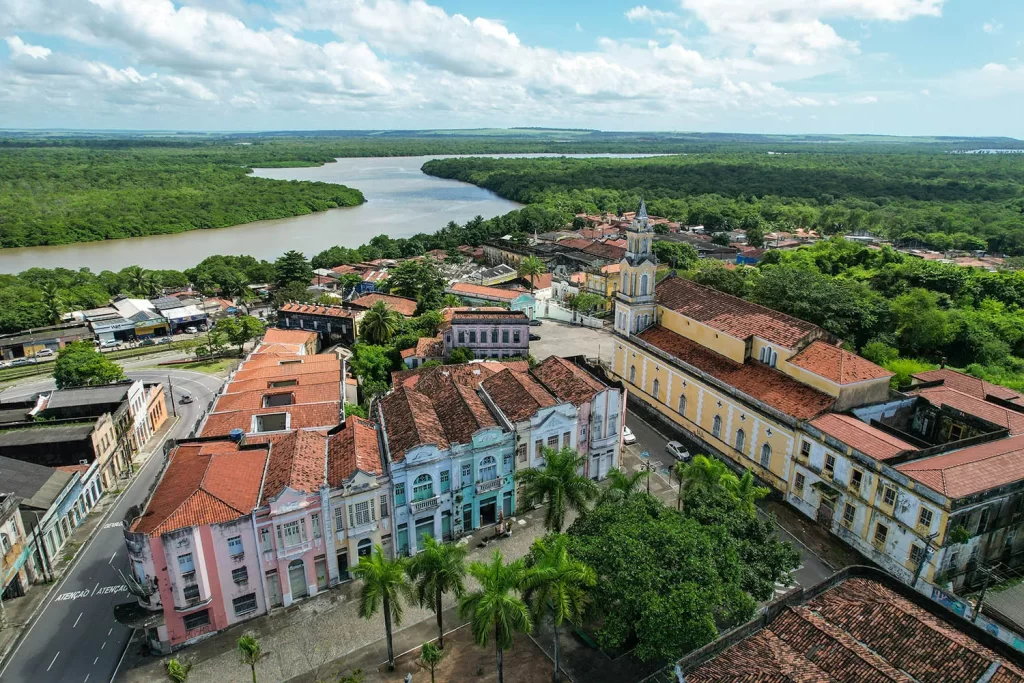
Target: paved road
[[811, 570], [75, 637]]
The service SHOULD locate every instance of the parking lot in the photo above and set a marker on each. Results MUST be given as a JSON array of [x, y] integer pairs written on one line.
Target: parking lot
[[561, 339]]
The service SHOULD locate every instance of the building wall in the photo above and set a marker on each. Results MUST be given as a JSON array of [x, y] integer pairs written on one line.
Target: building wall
[[429, 460], [278, 553], [473, 483], [487, 348], [352, 537], [224, 561], [602, 449]]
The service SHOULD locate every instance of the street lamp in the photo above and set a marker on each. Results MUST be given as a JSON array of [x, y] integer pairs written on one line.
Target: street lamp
[[650, 468]]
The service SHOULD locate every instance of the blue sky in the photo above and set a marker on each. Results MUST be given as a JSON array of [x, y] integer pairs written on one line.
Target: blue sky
[[928, 67]]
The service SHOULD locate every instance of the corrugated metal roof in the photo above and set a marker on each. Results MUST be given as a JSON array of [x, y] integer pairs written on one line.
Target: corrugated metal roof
[[38, 486], [37, 435]]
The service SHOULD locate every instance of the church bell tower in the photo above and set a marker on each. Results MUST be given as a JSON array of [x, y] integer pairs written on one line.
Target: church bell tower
[[635, 306]]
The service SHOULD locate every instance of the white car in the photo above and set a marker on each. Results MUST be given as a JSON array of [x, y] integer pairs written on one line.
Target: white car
[[110, 344], [627, 436], [677, 451], [45, 353], [191, 330]]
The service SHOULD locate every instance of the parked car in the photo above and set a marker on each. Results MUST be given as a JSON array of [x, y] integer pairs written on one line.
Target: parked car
[[22, 361], [148, 342], [677, 451], [535, 323], [45, 353], [110, 344], [186, 398], [164, 340], [191, 330], [627, 435], [534, 337]]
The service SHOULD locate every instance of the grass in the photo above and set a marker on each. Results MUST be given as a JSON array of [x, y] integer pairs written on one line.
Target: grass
[[46, 368], [70, 549], [208, 366]]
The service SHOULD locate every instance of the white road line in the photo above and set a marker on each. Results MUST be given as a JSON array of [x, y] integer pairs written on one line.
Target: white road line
[[103, 645], [77, 620], [112, 557], [94, 589], [110, 631], [86, 678], [95, 660], [53, 660], [131, 637]]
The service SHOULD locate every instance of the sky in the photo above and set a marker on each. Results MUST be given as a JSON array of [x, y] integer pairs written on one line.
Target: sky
[[900, 67]]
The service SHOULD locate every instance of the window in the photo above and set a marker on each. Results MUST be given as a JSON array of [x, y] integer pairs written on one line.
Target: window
[[805, 449], [446, 481], [506, 463], [553, 442], [244, 604], [925, 518], [383, 506], [516, 336], [849, 512], [741, 439], [289, 362], [185, 563], [240, 575], [567, 438], [716, 427], [361, 513], [265, 539], [314, 521], [598, 427], [472, 336], [682, 405], [197, 620], [191, 592], [830, 463], [888, 496], [856, 476], [462, 337], [916, 555], [632, 374], [235, 546], [504, 336], [423, 487], [613, 424], [521, 452], [282, 383], [643, 284], [766, 455], [489, 468], [273, 400], [273, 422], [538, 449], [655, 388], [881, 533], [467, 472], [399, 494], [293, 534], [956, 432], [494, 335], [983, 522], [798, 482]]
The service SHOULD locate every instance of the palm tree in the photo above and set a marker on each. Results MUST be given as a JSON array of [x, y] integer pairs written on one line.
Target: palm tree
[[530, 267], [560, 483], [495, 607], [246, 297], [440, 568], [250, 652], [384, 585], [706, 474], [136, 277], [747, 492], [559, 582], [52, 302], [381, 323], [451, 301], [178, 669], [150, 284], [430, 656], [622, 485]]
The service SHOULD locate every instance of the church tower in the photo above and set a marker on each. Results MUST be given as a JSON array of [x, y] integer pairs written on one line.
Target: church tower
[[635, 307]]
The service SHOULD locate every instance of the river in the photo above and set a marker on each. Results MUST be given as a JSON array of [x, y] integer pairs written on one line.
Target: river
[[401, 201]]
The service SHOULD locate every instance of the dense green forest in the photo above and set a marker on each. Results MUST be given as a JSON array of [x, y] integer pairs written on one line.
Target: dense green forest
[[910, 195]]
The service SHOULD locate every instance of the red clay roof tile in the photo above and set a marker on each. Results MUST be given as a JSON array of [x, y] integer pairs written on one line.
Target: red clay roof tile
[[567, 381], [970, 470], [967, 384], [1003, 417], [355, 447], [277, 335], [403, 305], [517, 394], [869, 440], [410, 421], [836, 364], [481, 292], [298, 460]]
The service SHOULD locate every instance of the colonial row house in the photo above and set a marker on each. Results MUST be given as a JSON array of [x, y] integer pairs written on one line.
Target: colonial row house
[[926, 481]]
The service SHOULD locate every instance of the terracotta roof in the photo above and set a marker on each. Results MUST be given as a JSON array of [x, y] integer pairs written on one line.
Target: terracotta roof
[[298, 460], [869, 440], [481, 292], [568, 381], [836, 364], [269, 371], [429, 347], [517, 394], [345, 268], [72, 469], [758, 381], [579, 277], [542, 281], [205, 483], [314, 309], [293, 361], [302, 416], [277, 335], [729, 314], [307, 393], [970, 470], [403, 305], [966, 384], [304, 380], [858, 630], [1004, 417], [575, 243], [355, 447], [606, 250], [279, 350], [410, 421], [491, 313], [471, 373], [408, 353], [611, 268]]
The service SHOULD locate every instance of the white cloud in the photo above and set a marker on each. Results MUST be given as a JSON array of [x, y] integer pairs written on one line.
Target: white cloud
[[866, 99], [991, 27], [579, 29], [19, 47], [645, 13]]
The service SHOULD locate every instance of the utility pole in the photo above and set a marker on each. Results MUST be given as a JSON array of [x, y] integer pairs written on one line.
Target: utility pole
[[170, 385], [981, 598], [928, 552]]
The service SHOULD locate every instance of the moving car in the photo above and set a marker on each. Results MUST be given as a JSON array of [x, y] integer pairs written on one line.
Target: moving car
[[534, 337], [110, 344], [186, 398], [45, 353], [627, 435], [677, 451]]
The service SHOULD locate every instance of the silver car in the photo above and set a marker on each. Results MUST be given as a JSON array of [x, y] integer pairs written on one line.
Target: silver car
[[677, 451]]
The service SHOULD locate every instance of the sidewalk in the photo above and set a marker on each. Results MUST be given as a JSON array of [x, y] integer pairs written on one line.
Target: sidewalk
[[21, 611]]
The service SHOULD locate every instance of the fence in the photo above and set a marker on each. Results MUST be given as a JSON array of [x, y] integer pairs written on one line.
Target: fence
[[550, 309]]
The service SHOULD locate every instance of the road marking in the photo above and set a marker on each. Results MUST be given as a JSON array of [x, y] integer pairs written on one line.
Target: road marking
[[110, 631], [106, 590], [112, 557], [53, 660], [94, 589], [103, 645], [95, 660], [86, 678], [77, 620], [113, 525]]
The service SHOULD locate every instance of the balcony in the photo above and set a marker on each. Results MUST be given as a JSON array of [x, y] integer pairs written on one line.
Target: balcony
[[418, 506], [192, 603], [489, 485], [294, 550]]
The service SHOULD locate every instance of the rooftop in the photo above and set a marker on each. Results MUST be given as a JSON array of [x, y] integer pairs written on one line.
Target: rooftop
[[972, 386], [314, 309], [517, 394], [460, 315], [298, 460], [276, 335], [986, 410], [46, 433], [481, 292], [568, 381], [403, 305], [303, 416], [37, 486], [732, 315], [474, 372], [208, 482], [970, 470], [88, 396], [329, 390], [758, 381], [836, 364], [410, 421], [870, 441], [353, 448]]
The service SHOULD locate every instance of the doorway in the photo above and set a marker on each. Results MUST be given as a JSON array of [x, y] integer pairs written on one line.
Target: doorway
[[274, 587], [488, 511], [365, 548], [320, 564], [297, 579], [343, 565]]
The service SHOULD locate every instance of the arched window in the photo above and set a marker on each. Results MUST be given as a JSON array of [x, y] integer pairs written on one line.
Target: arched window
[[716, 427], [488, 468], [766, 455], [682, 405], [741, 440], [656, 388], [364, 548], [632, 374], [423, 487], [643, 284]]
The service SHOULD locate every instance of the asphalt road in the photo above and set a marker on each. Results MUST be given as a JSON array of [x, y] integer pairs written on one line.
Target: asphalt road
[[811, 569], [74, 637]]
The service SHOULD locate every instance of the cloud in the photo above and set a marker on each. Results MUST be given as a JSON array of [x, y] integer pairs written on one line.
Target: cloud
[[866, 99], [654, 16], [19, 47], [579, 29], [991, 27]]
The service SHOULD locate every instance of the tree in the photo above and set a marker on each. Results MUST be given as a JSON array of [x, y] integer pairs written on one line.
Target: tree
[[459, 355], [559, 483], [370, 363], [495, 608], [623, 485], [747, 493], [380, 324], [451, 301], [178, 669], [755, 234], [355, 410], [708, 475], [529, 268], [241, 330], [80, 365], [250, 652], [384, 587], [216, 339], [921, 326], [292, 267], [421, 280], [440, 568], [559, 581], [585, 302], [246, 297], [429, 323], [293, 291], [721, 239], [430, 656], [135, 278], [53, 303]]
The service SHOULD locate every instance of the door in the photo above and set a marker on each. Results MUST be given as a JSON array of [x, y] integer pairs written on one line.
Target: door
[[424, 528], [507, 504], [402, 540], [446, 526], [488, 512], [365, 548], [321, 573], [343, 565], [274, 586], [825, 510], [467, 519], [297, 579]]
